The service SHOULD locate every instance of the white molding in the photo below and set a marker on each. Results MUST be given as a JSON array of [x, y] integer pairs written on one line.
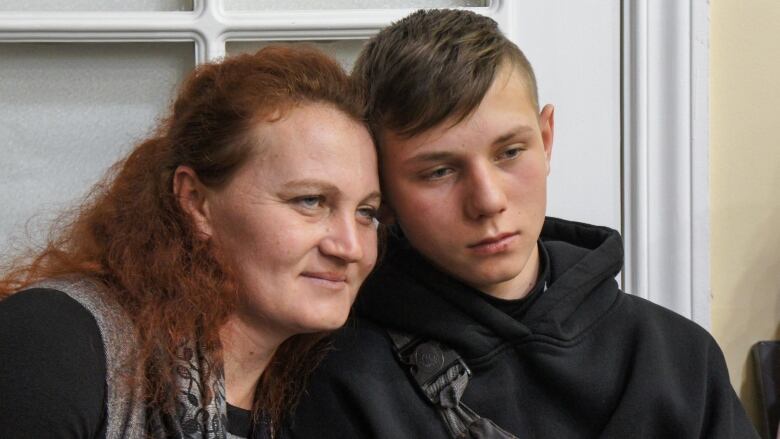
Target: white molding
[[666, 145], [208, 26]]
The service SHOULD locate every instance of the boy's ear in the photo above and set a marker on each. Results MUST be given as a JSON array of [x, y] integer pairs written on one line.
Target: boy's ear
[[386, 215], [191, 196], [547, 127]]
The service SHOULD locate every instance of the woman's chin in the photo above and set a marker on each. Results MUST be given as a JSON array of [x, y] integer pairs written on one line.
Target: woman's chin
[[323, 322]]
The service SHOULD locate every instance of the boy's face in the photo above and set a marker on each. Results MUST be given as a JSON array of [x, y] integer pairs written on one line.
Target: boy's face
[[471, 197]]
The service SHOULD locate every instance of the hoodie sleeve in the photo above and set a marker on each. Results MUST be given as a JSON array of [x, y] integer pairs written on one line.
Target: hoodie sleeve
[[724, 415]]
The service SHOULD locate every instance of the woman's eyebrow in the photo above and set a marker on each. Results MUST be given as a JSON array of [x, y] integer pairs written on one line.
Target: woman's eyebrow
[[324, 187], [310, 183], [373, 196]]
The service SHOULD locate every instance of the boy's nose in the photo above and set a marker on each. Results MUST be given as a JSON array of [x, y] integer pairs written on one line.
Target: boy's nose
[[485, 196]]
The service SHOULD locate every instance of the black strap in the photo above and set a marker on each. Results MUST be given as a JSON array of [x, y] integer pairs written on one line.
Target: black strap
[[442, 376]]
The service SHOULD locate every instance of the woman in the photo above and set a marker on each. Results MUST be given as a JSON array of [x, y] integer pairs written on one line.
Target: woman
[[188, 296]]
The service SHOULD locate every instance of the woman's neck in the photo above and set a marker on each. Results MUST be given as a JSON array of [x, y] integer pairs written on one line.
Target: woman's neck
[[246, 354]]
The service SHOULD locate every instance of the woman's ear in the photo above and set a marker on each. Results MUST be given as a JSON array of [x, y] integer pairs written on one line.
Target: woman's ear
[[192, 197]]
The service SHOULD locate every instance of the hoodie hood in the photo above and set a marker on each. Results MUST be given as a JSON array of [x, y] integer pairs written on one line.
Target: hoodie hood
[[409, 294]]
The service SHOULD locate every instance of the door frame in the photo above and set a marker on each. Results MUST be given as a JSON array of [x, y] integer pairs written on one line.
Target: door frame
[[666, 221]]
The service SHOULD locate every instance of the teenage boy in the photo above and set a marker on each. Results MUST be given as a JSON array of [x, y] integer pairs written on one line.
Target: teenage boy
[[486, 319]]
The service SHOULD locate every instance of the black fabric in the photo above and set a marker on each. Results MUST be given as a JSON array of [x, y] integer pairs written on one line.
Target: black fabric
[[52, 368], [242, 424], [239, 421], [585, 361], [53, 371]]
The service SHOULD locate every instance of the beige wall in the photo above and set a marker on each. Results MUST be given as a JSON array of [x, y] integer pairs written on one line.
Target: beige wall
[[745, 180]]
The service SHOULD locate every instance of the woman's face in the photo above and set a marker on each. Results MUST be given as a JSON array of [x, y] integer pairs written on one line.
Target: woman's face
[[297, 220]]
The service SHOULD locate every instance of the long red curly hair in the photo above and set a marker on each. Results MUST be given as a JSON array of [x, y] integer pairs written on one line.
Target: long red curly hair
[[132, 235]]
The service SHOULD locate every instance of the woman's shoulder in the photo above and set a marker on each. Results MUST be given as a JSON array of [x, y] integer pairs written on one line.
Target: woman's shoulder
[[35, 312], [52, 376]]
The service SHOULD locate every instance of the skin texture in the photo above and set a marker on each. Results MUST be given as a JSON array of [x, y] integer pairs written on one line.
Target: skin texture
[[298, 224], [451, 188], [297, 220]]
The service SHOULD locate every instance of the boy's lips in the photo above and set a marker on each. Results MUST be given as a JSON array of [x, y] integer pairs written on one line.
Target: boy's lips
[[494, 244]]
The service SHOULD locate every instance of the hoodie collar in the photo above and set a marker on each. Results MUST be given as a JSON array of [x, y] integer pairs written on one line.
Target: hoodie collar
[[409, 294]]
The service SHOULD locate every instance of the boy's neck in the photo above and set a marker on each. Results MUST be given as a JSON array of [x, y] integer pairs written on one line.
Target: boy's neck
[[519, 286]]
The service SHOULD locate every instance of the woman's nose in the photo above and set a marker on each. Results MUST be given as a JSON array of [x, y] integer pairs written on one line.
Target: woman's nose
[[342, 239]]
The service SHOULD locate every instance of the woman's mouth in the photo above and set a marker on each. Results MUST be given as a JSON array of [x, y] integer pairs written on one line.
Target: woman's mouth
[[328, 279]]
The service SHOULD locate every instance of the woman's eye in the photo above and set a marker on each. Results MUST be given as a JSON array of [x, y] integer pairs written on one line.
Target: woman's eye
[[438, 173], [309, 201], [367, 214]]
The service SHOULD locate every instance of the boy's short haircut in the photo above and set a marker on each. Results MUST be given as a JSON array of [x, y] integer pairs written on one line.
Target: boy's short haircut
[[433, 66]]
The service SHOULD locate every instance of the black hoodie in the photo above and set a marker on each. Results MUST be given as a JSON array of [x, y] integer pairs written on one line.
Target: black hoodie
[[585, 360]]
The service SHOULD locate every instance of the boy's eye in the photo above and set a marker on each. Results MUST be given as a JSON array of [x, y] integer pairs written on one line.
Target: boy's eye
[[438, 173], [509, 154]]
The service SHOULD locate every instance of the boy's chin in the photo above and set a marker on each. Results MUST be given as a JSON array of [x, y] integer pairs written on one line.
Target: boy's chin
[[488, 282]]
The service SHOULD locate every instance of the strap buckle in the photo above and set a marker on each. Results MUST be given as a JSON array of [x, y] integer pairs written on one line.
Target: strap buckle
[[428, 359]]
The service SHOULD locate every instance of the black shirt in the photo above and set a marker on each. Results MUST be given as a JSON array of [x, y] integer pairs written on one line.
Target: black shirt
[[53, 371], [239, 421], [52, 368]]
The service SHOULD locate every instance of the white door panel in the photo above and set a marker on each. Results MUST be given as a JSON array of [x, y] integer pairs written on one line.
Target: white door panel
[[67, 112], [345, 51]]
